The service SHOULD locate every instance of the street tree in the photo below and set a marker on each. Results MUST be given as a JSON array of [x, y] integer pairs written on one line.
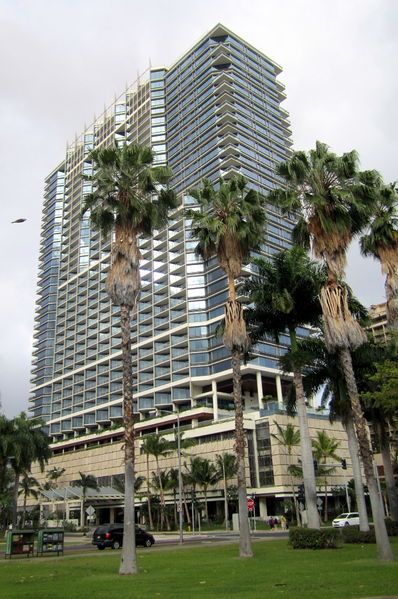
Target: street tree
[[226, 469], [229, 224], [335, 202], [129, 198], [284, 293]]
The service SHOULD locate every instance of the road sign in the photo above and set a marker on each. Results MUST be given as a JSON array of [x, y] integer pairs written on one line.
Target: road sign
[[90, 510], [250, 504]]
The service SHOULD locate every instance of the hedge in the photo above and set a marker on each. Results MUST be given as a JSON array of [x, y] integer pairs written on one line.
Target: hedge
[[311, 538]]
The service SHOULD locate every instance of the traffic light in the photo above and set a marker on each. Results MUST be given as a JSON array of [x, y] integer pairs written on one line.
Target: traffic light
[[344, 464], [193, 496], [301, 493]]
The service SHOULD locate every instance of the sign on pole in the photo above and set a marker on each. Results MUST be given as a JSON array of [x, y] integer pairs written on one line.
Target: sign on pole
[[250, 504]]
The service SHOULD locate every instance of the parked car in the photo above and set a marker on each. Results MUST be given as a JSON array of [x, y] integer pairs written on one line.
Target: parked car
[[111, 535], [347, 519]]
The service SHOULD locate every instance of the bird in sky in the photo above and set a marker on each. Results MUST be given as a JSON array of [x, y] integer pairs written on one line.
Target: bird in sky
[[19, 220]]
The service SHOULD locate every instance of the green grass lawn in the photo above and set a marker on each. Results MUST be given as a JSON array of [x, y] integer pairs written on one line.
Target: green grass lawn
[[206, 572]]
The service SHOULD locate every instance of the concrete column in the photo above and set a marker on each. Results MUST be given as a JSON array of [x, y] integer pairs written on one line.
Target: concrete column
[[111, 515], [260, 392], [262, 502], [279, 391], [215, 399]]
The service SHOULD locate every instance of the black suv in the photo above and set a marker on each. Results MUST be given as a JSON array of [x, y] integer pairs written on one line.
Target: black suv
[[111, 535]]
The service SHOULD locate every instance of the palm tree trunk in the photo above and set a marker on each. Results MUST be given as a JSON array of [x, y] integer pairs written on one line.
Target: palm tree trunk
[[307, 460], [356, 470], [225, 500], [15, 500], [24, 510], [245, 548], [128, 563], [164, 521], [187, 514], [388, 470], [149, 494], [295, 502], [206, 506], [326, 498], [383, 544], [82, 512]]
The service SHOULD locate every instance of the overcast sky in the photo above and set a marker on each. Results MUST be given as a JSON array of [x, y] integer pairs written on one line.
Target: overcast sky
[[62, 60]]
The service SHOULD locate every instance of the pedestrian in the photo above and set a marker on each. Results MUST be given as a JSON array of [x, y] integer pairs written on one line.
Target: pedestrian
[[283, 522], [271, 523]]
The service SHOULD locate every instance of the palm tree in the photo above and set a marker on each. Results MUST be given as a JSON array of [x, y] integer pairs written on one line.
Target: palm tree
[[335, 202], [229, 225], [26, 485], [284, 292], [203, 473], [226, 469], [52, 477], [323, 371], [325, 449], [29, 444], [381, 242], [158, 447], [173, 485], [289, 436], [128, 198], [87, 481]]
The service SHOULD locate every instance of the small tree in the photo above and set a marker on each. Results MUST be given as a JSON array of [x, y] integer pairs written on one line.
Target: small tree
[[289, 436], [87, 481], [27, 484], [325, 449], [226, 469]]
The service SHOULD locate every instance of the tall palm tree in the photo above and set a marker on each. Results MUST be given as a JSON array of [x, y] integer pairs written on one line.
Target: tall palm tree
[[129, 198], [26, 485], [284, 292], [325, 448], [226, 469], [335, 202], [323, 371], [87, 481], [29, 444], [381, 242], [158, 447], [229, 225], [289, 436]]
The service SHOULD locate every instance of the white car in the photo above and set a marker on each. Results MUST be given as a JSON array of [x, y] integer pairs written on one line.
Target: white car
[[348, 519]]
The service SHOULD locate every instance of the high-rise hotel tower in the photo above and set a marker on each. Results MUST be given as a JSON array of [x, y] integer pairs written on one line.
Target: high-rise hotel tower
[[215, 112]]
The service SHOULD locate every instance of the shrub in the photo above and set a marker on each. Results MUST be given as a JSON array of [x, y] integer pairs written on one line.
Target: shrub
[[352, 534], [311, 538], [69, 526]]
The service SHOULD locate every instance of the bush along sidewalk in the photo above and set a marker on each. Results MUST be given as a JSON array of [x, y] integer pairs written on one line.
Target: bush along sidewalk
[[311, 538]]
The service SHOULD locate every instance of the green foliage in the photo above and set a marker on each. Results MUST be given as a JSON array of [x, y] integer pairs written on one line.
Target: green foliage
[[126, 190], [352, 534], [310, 538], [230, 223]]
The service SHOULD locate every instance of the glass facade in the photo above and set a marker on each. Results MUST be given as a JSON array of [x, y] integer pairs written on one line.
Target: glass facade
[[216, 112]]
